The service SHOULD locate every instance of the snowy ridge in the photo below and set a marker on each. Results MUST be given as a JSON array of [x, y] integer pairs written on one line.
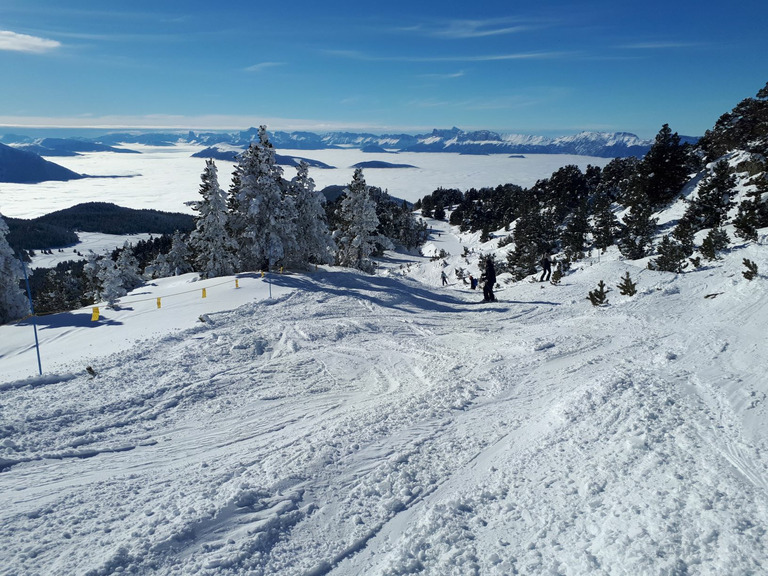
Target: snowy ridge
[[383, 425]]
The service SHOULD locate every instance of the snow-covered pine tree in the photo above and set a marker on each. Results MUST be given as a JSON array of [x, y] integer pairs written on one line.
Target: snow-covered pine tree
[[263, 217], [128, 268], [356, 238], [111, 284], [91, 280], [179, 258], [214, 249], [13, 300], [314, 243]]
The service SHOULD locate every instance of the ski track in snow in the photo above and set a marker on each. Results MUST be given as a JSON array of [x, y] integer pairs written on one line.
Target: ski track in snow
[[383, 426]]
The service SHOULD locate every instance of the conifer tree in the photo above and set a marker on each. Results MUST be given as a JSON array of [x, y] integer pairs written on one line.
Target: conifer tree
[[753, 210], [626, 286], [356, 238], [179, 258], [599, 296], [530, 240], [111, 284], [671, 256], [710, 208], [574, 236], [13, 300], [263, 217], [605, 222], [215, 251], [716, 241], [636, 235], [664, 170], [315, 244], [91, 280], [128, 268]]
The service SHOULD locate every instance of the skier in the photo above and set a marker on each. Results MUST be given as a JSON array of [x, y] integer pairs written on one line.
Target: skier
[[546, 266], [472, 282], [444, 277], [490, 280]]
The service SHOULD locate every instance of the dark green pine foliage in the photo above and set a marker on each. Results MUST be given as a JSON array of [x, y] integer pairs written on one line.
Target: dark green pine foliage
[[530, 236], [683, 234], [605, 222], [716, 241], [743, 128], [626, 286], [599, 296], [710, 208], [751, 269], [575, 232], [753, 211], [664, 170], [671, 256], [639, 227]]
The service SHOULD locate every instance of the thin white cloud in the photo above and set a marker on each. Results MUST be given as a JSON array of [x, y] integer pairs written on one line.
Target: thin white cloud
[[448, 76], [459, 29], [659, 45], [15, 42], [355, 55], [263, 66], [463, 29]]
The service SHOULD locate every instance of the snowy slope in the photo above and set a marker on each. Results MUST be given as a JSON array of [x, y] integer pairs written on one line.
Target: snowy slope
[[357, 424]]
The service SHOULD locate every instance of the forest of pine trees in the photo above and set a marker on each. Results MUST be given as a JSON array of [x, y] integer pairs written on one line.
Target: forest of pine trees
[[573, 212]]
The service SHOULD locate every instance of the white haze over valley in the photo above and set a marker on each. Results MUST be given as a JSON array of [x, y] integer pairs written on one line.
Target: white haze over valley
[[165, 177], [334, 423]]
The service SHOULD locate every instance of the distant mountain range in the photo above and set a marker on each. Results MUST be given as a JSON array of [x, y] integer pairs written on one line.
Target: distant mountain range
[[22, 161], [602, 144]]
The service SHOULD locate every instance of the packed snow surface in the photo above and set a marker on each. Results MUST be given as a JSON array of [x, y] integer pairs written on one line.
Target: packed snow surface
[[381, 425]]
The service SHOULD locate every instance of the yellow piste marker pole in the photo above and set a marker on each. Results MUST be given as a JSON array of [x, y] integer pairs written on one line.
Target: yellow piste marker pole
[[204, 295], [237, 283], [95, 314], [158, 302]]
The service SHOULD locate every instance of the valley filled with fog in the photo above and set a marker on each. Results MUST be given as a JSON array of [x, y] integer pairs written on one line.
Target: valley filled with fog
[[165, 177]]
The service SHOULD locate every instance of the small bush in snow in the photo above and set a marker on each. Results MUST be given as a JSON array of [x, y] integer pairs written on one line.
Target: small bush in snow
[[626, 286], [599, 297], [751, 272]]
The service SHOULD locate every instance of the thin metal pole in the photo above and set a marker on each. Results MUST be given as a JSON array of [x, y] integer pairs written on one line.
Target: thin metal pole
[[32, 311]]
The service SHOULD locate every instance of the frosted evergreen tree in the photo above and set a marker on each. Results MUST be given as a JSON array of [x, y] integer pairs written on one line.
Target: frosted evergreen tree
[[128, 268], [13, 300], [356, 238], [111, 284], [91, 280], [263, 217], [179, 258], [158, 268], [314, 242], [214, 248]]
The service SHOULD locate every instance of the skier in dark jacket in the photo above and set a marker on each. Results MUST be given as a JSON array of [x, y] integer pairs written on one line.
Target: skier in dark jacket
[[546, 266], [490, 280]]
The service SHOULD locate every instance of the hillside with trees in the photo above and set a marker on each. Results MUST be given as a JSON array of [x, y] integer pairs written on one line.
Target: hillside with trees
[[721, 179]]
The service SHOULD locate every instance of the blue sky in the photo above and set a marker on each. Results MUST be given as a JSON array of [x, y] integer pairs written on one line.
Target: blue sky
[[544, 67]]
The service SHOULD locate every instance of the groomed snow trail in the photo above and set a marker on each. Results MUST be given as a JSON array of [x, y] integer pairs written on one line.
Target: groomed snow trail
[[377, 425]]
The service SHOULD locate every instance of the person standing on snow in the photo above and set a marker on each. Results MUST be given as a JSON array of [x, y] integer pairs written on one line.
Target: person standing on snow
[[444, 277], [546, 266], [490, 280]]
